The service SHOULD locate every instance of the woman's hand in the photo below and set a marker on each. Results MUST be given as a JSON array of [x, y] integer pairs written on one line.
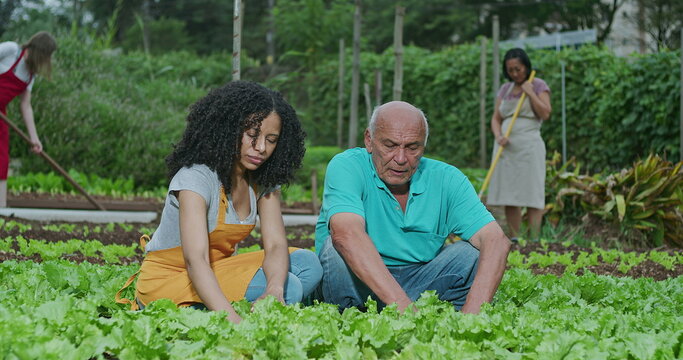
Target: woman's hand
[[233, 317], [279, 295], [36, 146], [502, 140], [528, 88]]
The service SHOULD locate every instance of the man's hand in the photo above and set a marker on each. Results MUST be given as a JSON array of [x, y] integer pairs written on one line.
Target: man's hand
[[493, 247], [409, 306], [360, 254]]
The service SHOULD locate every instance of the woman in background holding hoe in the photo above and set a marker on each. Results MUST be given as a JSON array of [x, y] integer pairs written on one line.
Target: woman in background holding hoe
[[18, 67], [519, 179]]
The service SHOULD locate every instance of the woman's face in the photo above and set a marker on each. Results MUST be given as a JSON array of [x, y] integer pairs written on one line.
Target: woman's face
[[257, 146], [516, 70]]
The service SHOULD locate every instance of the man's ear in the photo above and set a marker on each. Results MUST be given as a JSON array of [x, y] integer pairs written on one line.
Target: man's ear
[[368, 141]]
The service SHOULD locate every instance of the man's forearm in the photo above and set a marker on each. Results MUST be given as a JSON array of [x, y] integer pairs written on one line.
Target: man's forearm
[[362, 257], [492, 260]]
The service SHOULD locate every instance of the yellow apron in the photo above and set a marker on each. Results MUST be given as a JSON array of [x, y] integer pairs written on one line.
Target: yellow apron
[[163, 273]]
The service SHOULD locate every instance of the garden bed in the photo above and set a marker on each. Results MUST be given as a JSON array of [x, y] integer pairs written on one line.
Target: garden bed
[[137, 203], [303, 237]]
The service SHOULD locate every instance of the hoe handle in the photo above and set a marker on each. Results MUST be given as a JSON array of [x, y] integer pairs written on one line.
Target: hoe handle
[[52, 163], [507, 134]]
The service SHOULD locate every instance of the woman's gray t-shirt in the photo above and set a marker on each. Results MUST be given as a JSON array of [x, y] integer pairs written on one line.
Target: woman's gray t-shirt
[[203, 181]]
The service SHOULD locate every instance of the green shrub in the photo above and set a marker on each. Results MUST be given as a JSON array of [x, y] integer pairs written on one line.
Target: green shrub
[[107, 114], [644, 200], [617, 108]]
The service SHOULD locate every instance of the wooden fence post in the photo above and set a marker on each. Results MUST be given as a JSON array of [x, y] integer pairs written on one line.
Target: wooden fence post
[[398, 52], [496, 56], [237, 38], [355, 78], [482, 105], [340, 95], [314, 192], [368, 102], [378, 87]]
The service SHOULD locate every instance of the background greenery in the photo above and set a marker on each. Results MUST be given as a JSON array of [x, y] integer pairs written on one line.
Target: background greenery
[[618, 109], [117, 115]]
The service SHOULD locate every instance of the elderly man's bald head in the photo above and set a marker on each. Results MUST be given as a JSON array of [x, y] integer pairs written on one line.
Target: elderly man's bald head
[[386, 111]]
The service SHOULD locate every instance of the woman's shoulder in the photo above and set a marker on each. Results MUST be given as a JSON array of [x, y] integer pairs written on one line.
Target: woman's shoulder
[[540, 85], [9, 48], [504, 89], [195, 169], [197, 173]]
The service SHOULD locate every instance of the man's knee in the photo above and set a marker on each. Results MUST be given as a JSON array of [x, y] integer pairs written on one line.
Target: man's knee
[[456, 266], [338, 285], [461, 258]]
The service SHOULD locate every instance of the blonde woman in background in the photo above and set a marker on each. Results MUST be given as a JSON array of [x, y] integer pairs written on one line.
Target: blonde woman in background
[[19, 65]]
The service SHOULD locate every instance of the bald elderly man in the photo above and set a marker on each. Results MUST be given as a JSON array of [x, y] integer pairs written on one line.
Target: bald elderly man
[[386, 214]]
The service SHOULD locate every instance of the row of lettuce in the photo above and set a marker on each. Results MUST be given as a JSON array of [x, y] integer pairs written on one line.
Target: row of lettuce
[[642, 203], [573, 260], [60, 309]]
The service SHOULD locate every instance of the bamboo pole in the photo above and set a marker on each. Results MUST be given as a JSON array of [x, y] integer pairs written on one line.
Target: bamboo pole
[[482, 104], [398, 52], [680, 150], [237, 38], [340, 95], [52, 163], [355, 78], [507, 134]]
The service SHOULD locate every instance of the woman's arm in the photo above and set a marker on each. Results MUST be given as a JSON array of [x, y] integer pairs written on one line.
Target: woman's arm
[[194, 239], [540, 103], [27, 114], [276, 261], [496, 125]]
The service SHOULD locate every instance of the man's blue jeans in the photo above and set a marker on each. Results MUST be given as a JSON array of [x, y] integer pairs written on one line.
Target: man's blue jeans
[[450, 273]]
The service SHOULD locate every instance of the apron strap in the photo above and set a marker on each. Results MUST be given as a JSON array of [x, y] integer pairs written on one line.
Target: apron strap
[[21, 55], [120, 300], [144, 239], [133, 304]]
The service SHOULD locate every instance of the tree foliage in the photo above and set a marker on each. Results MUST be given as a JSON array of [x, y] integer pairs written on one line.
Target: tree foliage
[[6, 9], [312, 28], [662, 20]]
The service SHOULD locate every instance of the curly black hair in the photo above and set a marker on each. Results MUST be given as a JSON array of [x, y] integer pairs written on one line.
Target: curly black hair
[[215, 125]]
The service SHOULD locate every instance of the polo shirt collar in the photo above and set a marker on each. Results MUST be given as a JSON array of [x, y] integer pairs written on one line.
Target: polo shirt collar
[[417, 183]]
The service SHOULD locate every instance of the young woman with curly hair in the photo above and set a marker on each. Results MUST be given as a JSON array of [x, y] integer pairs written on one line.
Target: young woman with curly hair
[[19, 66], [241, 143]]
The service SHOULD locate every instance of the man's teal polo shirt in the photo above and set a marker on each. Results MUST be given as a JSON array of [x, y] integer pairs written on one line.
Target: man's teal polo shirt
[[441, 201]]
